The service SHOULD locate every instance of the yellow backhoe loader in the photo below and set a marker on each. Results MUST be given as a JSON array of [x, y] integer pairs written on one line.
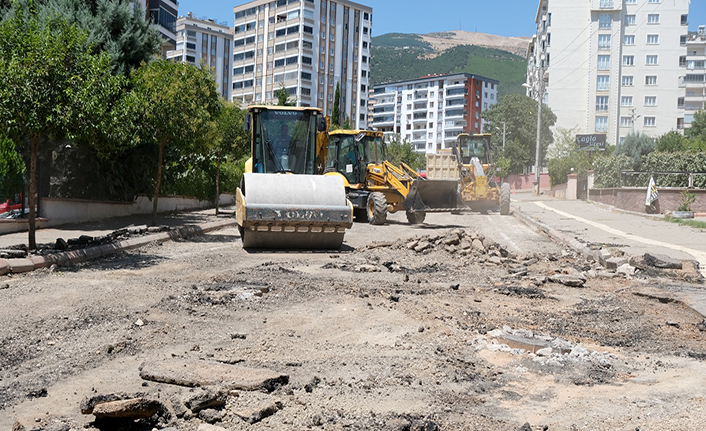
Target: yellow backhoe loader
[[283, 200], [375, 186], [470, 160]]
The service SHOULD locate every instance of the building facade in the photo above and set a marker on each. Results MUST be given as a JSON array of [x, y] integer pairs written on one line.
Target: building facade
[[431, 112], [610, 66], [307, 46], [163, 14], [694, 80], [204, 40]]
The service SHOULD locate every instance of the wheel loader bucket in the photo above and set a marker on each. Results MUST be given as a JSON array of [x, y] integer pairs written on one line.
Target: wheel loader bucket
[[429, 195], [279, 211]]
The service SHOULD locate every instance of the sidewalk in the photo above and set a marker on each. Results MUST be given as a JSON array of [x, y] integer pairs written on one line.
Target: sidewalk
[[182, 225], [104, 227], [595, 225]]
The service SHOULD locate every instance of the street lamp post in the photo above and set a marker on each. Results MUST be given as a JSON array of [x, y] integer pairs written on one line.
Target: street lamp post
[[540, 94], [498, 128]]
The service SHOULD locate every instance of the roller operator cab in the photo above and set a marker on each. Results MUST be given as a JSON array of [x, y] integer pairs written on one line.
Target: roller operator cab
[[283, 202]]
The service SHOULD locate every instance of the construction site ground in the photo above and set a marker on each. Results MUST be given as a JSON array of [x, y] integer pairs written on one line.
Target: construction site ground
[[467, 322]]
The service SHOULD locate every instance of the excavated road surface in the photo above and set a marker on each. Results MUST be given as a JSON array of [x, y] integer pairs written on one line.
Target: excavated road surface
[[469, 322]]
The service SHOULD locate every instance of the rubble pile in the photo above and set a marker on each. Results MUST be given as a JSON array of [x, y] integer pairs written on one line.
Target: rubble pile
[[543, 349]]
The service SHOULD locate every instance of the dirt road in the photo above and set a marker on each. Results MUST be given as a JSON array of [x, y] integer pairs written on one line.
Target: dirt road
[[453, 325]]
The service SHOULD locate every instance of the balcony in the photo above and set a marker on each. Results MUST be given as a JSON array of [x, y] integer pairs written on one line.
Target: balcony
[[450, 114], [420, 108], [384, 101], [383, 121], [461, 84], [421, 95]]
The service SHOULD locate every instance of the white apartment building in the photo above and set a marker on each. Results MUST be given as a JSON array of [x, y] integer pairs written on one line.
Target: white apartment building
[[309, 46], [694, 81], [610, 66], [204, 40], [431, 112], [163, 14]]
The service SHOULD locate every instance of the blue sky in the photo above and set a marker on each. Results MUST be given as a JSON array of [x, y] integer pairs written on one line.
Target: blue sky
[[500, 17]]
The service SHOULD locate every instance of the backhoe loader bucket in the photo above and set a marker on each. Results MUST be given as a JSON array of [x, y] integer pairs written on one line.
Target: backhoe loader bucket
[[279, 211], [429, 195]]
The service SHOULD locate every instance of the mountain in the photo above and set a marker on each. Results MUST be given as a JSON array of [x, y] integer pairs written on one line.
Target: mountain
[[402, 56]]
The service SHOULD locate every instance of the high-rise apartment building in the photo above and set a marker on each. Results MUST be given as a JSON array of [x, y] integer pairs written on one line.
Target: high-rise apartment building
[[163, 14], [694, 81], [204, 40], [431, 112], [307, 46], [610, 66]]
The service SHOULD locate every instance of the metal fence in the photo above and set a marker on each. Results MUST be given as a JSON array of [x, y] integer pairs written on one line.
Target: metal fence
[[663, 179]]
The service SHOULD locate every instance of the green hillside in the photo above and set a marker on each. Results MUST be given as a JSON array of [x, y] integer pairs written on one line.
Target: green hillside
[[399, 57]]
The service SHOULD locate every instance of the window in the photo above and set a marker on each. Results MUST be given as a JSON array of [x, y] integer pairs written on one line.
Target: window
[[630, 1], [601, 103], [629, 39], [685, 20], [601, 124], [651, 60], [653, 18], [603, 62], [628, 60], [649, 122], [653, 1], [630, 20], [626, 101], [652, 39], [602, 83], [651, 80], [603, 41], [650, 100], [606, 4], [604, 21], [627, 81], [625, 121], [680, 103]]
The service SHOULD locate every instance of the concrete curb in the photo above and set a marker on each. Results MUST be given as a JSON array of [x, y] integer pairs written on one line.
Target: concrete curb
[[16, 266], [599, 256]]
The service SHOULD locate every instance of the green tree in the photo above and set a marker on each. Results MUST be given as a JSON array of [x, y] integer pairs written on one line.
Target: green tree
[[53, 87], [282, 95], [698, 126], [566, 157], [231, 141], [175, 106], [671, 142], [347, 123], [636, 145], [336, 113], [398, 151], [519, 113], [117, 27]]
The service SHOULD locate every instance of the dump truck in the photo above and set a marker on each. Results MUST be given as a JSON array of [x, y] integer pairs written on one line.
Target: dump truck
[[470, 161], [377, 187], [284, 201]]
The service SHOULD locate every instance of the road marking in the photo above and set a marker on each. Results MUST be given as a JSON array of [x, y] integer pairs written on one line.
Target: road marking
[[491, 219], [700, 256]]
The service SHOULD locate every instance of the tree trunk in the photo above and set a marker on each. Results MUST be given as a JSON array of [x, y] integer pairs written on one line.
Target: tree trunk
[[34, 147], [159, 183], [218, 189]]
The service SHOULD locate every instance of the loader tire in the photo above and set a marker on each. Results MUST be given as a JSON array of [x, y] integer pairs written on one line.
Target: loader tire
[[416, 217], [377, 208], [505, 199]]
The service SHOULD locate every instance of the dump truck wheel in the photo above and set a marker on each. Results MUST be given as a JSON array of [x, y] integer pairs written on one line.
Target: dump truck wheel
[[505, 199], [416, 217], [377, 208]]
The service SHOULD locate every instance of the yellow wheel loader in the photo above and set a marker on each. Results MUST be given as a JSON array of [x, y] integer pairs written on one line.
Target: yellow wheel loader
[[470, 160], [283, 201], [375, 186]]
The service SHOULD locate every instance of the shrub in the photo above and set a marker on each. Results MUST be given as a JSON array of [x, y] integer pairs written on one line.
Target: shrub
[[607, 170]]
